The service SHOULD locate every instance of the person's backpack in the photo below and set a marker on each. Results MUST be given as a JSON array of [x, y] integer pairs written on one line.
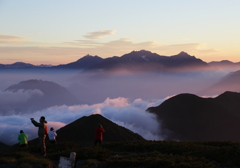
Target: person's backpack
[[46, 129]]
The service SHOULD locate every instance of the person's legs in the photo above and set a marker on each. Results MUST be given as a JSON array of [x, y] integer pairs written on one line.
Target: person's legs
[[98, 141], [52, 142], [23, 146], [43, 145]]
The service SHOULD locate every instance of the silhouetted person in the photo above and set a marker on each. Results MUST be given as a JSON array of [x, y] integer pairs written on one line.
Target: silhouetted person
[[42, 133], [22, 137], [52, 136], [98, 136]]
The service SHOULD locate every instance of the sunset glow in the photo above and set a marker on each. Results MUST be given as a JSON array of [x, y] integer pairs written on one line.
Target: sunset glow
[[59, 32]]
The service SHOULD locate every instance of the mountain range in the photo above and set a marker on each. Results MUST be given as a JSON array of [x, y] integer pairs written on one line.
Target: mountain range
[[225, 64], [147, 61], [187, 117], [134, 61]]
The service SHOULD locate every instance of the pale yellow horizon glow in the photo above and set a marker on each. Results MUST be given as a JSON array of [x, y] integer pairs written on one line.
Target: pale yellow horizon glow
[[64, 55], [60, 32]]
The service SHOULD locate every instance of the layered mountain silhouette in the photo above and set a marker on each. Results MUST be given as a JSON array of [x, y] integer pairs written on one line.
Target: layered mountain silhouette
[[230, 82], [41, 94], [3, 147], [192, 118], [147, 61], [83, 63], [17, 65], [225, 64], [134, 61]]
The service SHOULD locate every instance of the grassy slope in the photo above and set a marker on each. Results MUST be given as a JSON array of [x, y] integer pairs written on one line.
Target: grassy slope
[[166, 154]]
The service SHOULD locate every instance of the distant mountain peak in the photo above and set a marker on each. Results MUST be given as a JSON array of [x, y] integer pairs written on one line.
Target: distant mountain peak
[[226, 61], [183, 54], [88, 56], [141, 52]]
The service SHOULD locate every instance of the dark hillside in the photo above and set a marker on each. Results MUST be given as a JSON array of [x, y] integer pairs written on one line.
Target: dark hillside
[[3, 147], [83, 130], [192, 118]]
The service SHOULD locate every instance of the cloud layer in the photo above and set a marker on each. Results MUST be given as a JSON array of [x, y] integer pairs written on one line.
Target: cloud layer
[[11, 39], [130, 115], [99, 34]]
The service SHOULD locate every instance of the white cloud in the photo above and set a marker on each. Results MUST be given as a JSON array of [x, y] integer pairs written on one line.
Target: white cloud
[[130, 115], [99, 34]]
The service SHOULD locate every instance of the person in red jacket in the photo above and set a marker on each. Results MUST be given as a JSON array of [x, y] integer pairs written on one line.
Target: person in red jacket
[[98, 136]]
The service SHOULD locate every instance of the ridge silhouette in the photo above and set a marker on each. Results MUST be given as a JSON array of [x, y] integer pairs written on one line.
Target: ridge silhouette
[[187, 117]]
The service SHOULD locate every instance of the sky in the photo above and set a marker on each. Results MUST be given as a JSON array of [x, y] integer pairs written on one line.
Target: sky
[[62, 31]]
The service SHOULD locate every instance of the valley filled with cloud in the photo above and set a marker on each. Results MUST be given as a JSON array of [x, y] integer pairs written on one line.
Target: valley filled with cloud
[[131, 115]]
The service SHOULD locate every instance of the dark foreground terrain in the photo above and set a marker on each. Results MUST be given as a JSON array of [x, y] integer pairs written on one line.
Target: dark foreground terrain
[[165, 154]]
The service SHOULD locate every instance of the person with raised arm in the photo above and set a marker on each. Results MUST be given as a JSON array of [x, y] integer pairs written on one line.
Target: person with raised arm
[[42, 132]]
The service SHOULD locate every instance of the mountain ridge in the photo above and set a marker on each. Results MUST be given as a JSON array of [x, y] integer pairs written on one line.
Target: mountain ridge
[[135, 61], [188, 117], [147, 61]]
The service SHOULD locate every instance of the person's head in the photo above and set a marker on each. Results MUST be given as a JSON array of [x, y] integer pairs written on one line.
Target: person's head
[[100, 126], [42, 119], [51, 129], [21, 131]]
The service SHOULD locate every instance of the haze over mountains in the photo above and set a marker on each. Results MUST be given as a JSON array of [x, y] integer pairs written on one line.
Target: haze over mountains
[[119, 88], [225, 64], [136, 61], [230, 82]]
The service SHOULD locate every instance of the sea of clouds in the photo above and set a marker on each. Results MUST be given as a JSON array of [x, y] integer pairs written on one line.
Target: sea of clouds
[[131, 115]]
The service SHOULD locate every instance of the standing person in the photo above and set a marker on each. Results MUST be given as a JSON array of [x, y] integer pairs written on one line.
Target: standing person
[[98, 136], [52, 136], [22, 137], [42, 132]]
